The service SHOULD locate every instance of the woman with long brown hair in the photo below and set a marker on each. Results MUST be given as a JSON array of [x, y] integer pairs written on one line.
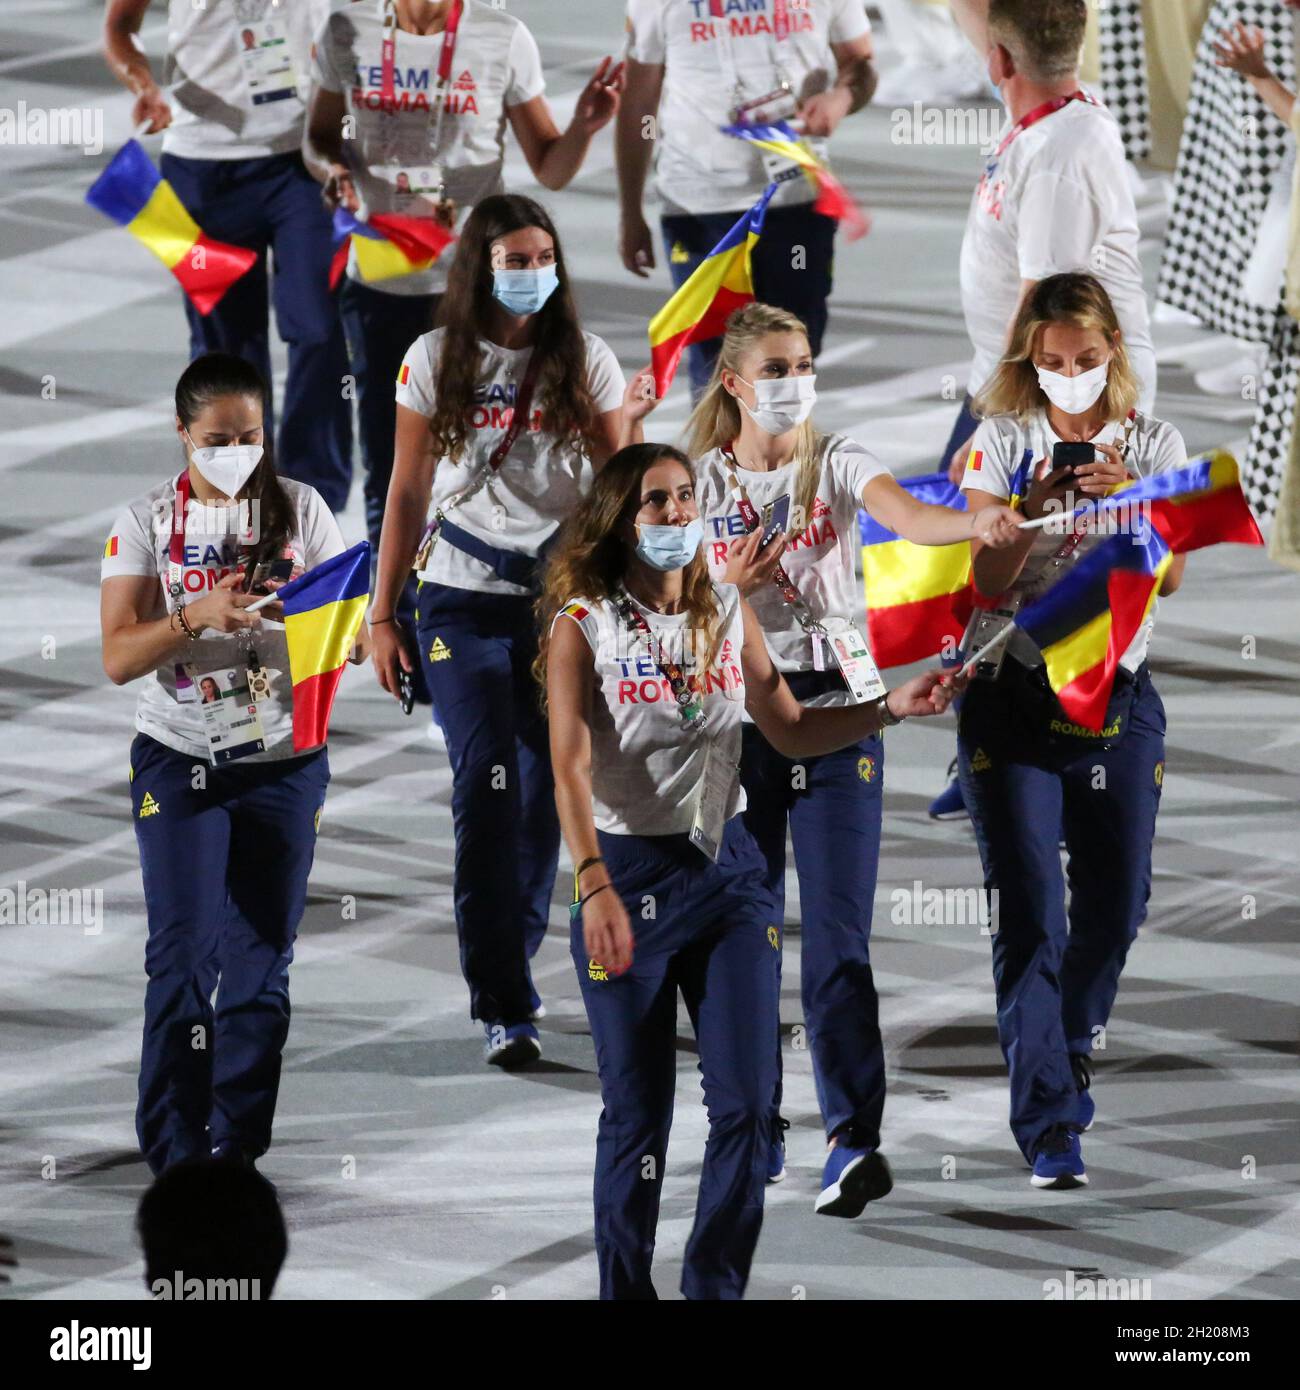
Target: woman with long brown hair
[[1029, 775], [649, 665], [504, 412]]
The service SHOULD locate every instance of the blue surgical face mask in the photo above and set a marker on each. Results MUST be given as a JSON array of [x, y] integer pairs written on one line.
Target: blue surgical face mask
[[524, 291], [669, 548]]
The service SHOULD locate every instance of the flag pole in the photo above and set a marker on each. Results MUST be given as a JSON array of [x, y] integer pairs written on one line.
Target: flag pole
[[261, 603], [972, 662]]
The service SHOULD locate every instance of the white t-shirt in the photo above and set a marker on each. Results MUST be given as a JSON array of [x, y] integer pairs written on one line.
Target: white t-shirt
[[1058, 200], [646, 769], [539, 482], [704, 59], [495, 65], [1001, 441], [140, 545], [241, 70], [820, 561]]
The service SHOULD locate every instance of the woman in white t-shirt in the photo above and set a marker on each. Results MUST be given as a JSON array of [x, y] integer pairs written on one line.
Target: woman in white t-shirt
[[462, 71], [225, 809], [502, 415], [649, 666], [1030, 776], [761, 464]]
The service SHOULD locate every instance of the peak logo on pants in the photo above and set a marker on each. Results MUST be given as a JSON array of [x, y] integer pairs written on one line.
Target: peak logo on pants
[[597, 971], [149, 807], [440, 651]]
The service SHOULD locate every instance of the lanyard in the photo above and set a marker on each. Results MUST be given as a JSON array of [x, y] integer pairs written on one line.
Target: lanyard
[[749, 515], [518, 419], [722, 29], [1039, 113], [388, 65], [176, 545], [176, 542], [1069, 544], [690, 703]]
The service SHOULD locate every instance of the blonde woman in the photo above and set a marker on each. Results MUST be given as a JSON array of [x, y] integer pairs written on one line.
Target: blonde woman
[[1028, 774], [648, 666], [760, 461]]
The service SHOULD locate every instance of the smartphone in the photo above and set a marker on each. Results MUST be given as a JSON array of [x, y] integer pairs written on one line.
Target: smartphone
[[281, 571], [1072, 455], [776, 517], [406, 692]]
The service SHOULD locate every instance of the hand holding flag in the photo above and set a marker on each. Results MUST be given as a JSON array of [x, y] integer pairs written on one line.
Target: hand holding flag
[[323, 610], [387, 244]]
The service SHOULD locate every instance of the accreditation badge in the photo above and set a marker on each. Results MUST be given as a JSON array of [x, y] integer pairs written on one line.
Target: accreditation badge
[[230, 716], [409, 181], [265, 60], [711, 801], [853, 659]]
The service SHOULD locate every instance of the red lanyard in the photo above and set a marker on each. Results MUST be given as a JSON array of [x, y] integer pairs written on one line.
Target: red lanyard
[[523, 409], [749, 515], [388, 51], [690, 703], [1039, 113]]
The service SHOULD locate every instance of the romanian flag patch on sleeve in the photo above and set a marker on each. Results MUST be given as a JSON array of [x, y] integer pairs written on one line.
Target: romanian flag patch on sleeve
[[110, 547]]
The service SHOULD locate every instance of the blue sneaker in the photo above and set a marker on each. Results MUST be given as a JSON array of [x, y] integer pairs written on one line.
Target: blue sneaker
[[776, 1151], [1081, 1065], [852, 1178], [1058, 1160], [511, 1045], [949, 804]]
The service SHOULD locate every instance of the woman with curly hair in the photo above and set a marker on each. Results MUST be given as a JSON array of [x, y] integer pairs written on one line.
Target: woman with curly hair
[[504, 411], [648, 667]]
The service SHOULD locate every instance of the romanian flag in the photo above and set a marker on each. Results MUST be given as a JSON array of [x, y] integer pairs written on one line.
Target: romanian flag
[[1084, 623], [575, 611], [322, 615], [1086, 620], [1194, 506], [919, 597], [833, 198], [387, 245], [110, 547], [133, 193], [720, 284]]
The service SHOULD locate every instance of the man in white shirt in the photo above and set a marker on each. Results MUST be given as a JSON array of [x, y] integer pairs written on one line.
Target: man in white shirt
[[1055, 196], [695, 66], [233, 115]]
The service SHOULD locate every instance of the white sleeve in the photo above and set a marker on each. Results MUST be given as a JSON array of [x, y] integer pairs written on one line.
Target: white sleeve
[[323, 71], [321, 537], [581, 612], [129, 549], [525, 81], [415, 378], [848, 21], [605, 378], [1168, 449], [646, 42], [853, 467], [990, 465], [1062, 219]]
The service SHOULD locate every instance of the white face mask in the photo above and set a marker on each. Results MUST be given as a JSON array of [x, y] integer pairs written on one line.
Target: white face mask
[[227, 467], [781, 403], [1073, 394]]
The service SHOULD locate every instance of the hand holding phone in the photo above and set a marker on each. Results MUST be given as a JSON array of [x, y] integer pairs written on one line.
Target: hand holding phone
[[1073, 454]]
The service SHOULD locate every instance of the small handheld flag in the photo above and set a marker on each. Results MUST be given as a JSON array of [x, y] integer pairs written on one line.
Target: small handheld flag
[[133, 193], [720, 284], [323, 610], [833, 199], [387, 244]]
